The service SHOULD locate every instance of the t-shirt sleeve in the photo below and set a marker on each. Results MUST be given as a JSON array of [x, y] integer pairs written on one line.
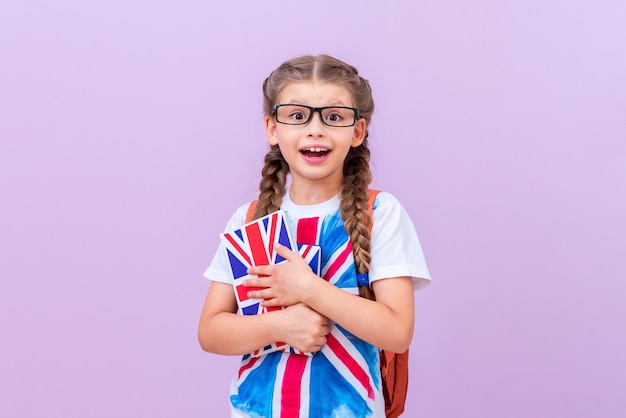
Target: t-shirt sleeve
[[219, 269], [395, 247]]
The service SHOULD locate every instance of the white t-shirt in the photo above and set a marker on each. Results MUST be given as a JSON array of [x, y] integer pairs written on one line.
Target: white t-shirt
[[394, 245], [283, 382]]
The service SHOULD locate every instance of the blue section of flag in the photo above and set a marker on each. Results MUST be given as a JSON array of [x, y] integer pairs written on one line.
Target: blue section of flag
[[324, 401], [315, 263], [333, 235], [250, 310], [283, 239], [238, 268], [257, 386]]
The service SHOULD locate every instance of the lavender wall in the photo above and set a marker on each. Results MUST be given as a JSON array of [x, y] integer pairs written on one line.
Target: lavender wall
[[500, 125]]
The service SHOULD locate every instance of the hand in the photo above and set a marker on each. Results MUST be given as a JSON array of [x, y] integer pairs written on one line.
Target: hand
[[303, 328], [283, 284]]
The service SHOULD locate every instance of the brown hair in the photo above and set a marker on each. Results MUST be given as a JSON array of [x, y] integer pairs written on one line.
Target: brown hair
[[356, 168]]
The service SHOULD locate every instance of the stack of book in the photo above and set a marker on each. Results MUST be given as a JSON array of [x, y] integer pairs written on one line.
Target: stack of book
[[253, 245]]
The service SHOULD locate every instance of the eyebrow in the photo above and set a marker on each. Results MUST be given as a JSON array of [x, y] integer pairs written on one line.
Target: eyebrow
[[330, 103]]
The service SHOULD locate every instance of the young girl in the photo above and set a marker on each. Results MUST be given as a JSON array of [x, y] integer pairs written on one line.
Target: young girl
[[317, 110]]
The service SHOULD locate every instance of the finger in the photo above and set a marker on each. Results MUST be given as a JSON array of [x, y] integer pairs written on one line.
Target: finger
[[260, 294], [271, 302], [285, 252], [257, 282], [260, 270]]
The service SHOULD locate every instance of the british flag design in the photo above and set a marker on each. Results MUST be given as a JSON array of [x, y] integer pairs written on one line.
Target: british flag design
[[253, 244], [341, 380]]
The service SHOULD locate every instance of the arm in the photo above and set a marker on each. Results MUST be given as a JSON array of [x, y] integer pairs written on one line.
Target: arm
[[222, 331], [386, 323]]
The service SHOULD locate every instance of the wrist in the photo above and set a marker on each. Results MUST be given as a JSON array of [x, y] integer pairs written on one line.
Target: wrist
[[310, 291], [274, 325]]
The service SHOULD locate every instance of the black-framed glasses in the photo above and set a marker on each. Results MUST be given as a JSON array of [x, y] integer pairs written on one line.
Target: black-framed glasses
[[296, 114]]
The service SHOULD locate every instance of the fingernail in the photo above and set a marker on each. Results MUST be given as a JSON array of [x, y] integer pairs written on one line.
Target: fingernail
[[277, 245]]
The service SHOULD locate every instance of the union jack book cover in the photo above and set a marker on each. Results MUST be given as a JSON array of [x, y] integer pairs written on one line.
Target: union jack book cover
[[253, 245]]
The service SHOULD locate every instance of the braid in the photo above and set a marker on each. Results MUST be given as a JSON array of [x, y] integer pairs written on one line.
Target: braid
[[354, 212], [272, 184], [356, 168]]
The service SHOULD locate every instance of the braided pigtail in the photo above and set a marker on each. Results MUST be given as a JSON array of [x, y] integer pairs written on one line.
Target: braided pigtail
[[272, 184], [354, 211], [356, 168]]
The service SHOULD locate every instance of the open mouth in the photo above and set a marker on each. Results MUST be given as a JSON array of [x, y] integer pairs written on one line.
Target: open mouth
[[314, 152]]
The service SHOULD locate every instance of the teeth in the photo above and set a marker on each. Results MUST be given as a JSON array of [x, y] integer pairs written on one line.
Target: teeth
[[315, 149]]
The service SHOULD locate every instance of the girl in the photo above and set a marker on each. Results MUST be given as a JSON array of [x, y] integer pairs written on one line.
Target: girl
[[317, 110]]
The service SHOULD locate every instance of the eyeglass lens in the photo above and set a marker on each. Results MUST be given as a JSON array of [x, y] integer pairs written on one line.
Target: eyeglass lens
[[300, 115]]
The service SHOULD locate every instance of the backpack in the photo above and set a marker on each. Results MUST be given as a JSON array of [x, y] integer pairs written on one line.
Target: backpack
[[394, 367]]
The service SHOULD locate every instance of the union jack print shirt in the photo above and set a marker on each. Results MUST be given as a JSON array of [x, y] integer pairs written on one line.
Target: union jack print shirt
[[343, 379]]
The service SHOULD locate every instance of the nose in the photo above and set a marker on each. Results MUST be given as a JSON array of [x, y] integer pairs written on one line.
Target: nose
[[315, 126]]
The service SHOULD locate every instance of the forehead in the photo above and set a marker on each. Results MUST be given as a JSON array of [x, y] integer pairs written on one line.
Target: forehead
[[315, 93]]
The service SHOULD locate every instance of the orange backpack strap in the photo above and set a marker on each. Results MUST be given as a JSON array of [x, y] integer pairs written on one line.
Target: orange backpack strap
[[371, 198], [394, 367], [251, 210]]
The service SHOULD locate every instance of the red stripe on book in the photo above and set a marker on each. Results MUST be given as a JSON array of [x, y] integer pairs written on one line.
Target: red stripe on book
[[307, 231], [242, 291], [273, 227], [354, 367], [292, 385], [257, 247]]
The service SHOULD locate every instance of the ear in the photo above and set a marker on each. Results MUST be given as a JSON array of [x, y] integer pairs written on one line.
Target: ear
[[270, 130], [359, 132]]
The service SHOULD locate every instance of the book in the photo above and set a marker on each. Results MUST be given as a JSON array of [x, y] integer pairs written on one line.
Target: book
[[253, 245]]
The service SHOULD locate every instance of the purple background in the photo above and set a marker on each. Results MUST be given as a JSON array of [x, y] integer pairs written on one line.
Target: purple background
[[130, 130]]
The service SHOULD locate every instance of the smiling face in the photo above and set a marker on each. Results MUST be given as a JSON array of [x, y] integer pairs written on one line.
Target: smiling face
[[315, 152]]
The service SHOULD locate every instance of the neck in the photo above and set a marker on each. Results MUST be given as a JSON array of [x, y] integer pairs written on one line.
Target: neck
[[312, 194]]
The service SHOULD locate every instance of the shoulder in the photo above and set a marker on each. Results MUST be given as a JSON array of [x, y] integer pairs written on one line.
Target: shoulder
[[389, 214], [385, 201], [395, 247], [238, 218]]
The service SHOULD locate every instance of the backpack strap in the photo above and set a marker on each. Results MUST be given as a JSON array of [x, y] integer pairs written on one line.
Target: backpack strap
[[251, 210], [394, 367], [371, 198]]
